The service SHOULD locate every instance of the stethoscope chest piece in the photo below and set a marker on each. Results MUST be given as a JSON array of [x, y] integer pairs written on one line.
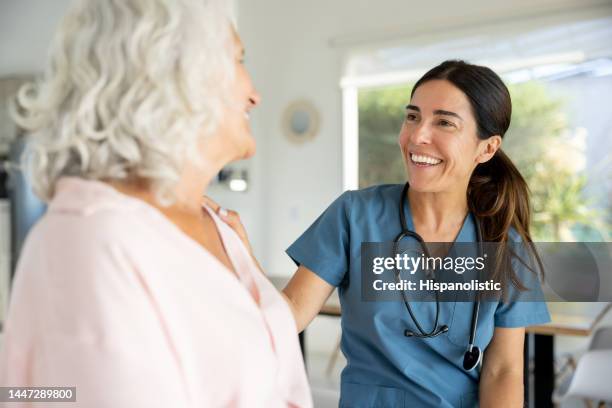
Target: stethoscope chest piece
[[471, 358]]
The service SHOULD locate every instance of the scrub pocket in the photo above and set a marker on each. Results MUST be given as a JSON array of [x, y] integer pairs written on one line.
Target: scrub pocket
[[459, 329], [355, 395]]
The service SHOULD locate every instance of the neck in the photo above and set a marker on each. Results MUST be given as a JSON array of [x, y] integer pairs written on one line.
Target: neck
[[193, 186], [437, 212], [188, 193]]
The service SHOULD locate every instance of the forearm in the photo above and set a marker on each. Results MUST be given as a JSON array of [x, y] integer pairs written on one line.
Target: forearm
[[501, 390]]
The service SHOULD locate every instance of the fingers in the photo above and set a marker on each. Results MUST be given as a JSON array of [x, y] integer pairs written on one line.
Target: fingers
[[212, 204], [231, 217], [223, 212]]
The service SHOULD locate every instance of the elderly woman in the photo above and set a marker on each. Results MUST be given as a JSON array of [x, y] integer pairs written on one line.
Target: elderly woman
[[129, 288]]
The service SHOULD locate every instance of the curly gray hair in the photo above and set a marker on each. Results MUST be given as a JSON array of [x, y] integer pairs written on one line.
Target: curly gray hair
[[131, 88]]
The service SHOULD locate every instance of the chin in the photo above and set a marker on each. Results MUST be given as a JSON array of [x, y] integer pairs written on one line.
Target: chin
[[421, 185], [245, 147], [250, 150], [248, 154]]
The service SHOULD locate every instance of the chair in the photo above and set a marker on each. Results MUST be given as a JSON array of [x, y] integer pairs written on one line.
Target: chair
[[591, 377]]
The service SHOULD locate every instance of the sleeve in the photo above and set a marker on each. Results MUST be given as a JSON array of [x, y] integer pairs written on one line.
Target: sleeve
[[525, 308], [324, 247], [521, 314]]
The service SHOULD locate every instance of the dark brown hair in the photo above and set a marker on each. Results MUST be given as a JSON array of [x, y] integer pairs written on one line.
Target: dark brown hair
[[497, 192]]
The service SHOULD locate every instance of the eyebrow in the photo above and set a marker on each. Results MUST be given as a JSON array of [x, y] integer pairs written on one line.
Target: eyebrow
[[436, 112]]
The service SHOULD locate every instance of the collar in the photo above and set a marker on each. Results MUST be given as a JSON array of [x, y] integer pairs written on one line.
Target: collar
[[85, 197]]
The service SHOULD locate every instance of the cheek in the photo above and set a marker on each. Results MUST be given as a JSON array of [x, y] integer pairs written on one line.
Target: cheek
[[462, 156], [403, 138], [251, 150]]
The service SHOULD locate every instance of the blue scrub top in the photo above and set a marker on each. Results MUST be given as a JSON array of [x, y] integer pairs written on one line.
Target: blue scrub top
[[385, 368]]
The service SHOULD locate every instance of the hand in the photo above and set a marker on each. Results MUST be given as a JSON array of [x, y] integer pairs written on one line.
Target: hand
[[231, 218]]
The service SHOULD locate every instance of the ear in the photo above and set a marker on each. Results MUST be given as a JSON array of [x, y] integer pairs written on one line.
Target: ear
[[488, 148]]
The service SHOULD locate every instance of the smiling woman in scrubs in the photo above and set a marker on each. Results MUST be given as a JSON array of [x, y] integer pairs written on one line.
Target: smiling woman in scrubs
[[450, 141]]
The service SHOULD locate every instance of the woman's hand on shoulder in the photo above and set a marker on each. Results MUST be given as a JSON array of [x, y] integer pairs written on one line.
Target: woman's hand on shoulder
[[231, 218]]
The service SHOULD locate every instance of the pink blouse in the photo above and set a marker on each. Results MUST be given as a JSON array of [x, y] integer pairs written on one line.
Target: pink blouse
[[111, 297]]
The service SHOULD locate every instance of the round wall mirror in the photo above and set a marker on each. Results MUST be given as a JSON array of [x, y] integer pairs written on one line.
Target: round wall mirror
[[300, 121]]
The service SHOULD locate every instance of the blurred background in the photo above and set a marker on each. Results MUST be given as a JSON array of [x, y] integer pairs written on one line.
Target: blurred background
[[334, 78]]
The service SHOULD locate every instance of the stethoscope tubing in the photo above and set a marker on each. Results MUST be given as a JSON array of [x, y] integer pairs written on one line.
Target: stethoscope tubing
[[472, 349]]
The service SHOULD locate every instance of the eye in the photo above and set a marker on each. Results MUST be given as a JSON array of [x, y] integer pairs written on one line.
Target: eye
[[411, 117], [446, 123]]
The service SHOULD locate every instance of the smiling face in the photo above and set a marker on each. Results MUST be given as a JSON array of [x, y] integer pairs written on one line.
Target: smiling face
[[439, 141]]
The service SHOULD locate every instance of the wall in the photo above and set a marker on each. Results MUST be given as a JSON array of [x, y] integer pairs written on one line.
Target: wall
[[25, 31]]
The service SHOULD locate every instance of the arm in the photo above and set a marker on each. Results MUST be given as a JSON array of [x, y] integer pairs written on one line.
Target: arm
[[501, 380], [306, 294]]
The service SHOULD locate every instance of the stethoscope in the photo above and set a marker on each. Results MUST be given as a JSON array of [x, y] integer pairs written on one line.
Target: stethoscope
[[473, 354]]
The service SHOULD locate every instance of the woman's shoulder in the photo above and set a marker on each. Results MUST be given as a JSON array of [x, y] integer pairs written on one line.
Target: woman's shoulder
[[366, 201], [370, 200], [377, 193], [96, 210], [89, 223]]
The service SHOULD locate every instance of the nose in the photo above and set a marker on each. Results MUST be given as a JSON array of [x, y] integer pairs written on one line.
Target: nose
[[254, 99], [420, 134]]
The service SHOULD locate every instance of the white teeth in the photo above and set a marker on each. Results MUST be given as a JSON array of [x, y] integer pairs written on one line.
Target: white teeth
[[424, 159]]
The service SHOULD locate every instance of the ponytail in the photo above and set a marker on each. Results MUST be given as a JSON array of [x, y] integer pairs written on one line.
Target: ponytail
[[499, 196]]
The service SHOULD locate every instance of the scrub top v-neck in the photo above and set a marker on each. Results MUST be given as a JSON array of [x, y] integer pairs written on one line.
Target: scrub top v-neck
[[385, 368]]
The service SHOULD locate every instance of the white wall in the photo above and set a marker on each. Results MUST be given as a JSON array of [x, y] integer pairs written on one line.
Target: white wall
[[25, 31]]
